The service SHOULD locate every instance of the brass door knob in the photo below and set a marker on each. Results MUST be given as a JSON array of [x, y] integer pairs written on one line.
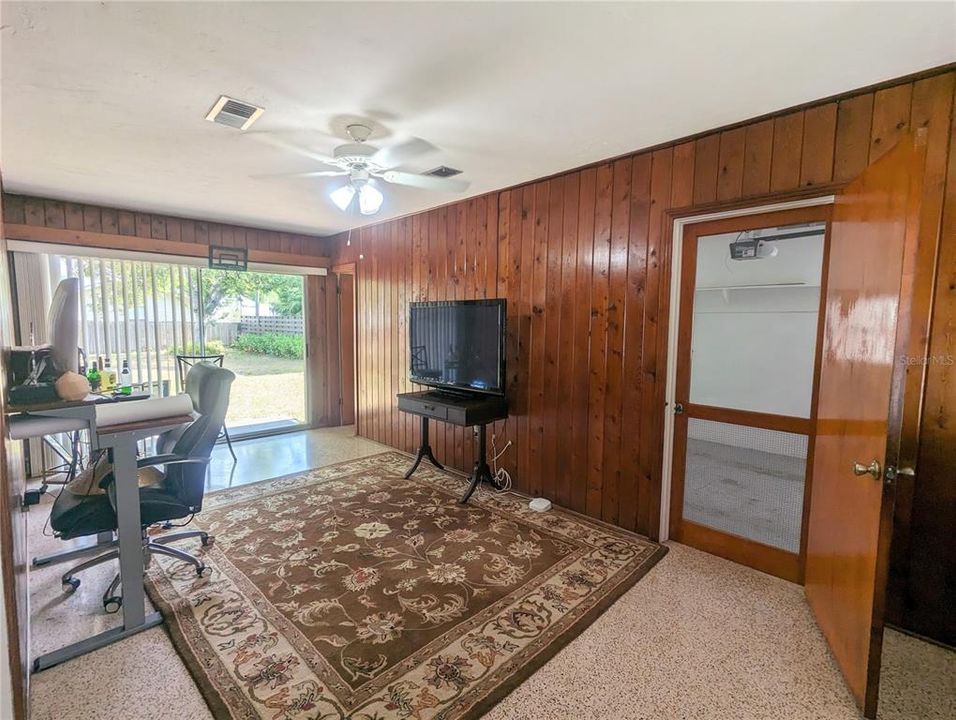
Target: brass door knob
[[874, 469]]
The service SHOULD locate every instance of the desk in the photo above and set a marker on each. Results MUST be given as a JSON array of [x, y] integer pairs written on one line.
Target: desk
[[121, 441], [471, 410]]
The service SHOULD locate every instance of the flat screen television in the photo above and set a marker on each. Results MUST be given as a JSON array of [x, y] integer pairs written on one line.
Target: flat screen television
[[459, 345]]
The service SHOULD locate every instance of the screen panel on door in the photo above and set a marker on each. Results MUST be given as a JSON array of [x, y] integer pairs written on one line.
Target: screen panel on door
[[746, 481]]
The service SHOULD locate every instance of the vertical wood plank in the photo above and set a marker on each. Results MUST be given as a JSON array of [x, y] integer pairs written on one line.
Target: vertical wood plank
[[127, 222], [552, 336], [109, 221], [631, 419], [891, 118], [730, 174], [758, 151], [787, 147], [54, 214], [819, 138], [654, 346], [33, 211], [581, 387], [536, 364], [564, 415], [524, 273], [13, 209], [682, 190], [158, 227], [598, 340], [706, 163], [144, 225], [617, 295], [74, 216], [852, 145], [93, 218]]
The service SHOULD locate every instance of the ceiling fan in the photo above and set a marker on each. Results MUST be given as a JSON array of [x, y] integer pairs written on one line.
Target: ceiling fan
[[362, 163]]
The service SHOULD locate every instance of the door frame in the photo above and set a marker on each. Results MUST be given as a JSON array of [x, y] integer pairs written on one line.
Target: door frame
[[339, 270], [673, 328]]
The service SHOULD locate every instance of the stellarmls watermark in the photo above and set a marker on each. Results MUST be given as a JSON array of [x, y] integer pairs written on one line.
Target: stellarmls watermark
[[928, 359]]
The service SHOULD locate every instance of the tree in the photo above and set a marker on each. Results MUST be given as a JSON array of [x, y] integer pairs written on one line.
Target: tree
[[288, 291], [282, 292]]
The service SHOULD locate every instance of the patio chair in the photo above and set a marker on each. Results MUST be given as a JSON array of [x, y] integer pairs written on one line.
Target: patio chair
[[183, 364]]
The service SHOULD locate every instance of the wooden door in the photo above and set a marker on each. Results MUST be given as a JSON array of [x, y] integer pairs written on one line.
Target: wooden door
[[347, 345], [870, 274], [745, 386]]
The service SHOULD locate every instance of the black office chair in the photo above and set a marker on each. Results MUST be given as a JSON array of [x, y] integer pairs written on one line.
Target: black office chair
[[87, 505], [183, 363]]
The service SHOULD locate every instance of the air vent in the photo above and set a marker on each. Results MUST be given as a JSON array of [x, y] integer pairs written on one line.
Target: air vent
[[234, 113], [443, 171]]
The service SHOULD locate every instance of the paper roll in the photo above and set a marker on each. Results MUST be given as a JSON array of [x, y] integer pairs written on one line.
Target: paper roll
[[120, 413], [22, 427]]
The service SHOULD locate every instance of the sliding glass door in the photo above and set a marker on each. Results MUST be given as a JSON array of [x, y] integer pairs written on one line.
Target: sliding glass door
[[256, 321], [152, 313]]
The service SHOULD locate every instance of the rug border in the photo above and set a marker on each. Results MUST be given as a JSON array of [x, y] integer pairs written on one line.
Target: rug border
[[220, 709], [561, 641]]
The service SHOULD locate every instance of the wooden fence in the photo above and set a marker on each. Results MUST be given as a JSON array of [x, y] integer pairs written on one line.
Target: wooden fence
[[271, 323]]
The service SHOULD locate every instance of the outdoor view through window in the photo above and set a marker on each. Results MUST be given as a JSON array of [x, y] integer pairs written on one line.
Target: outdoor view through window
[[151, 313]]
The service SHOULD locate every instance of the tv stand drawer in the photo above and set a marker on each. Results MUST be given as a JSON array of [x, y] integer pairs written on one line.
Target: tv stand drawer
[[420, 406], [464, 410]]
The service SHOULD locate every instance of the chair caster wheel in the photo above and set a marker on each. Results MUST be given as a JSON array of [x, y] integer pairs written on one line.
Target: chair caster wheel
[[112, 604], [207, 540], [204, 571], [70, 586]]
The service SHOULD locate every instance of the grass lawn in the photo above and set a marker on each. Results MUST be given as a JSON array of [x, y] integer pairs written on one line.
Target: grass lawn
[[266, 387]]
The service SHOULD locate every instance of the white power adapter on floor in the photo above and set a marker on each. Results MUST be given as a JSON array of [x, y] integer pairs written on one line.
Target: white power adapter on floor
[[540, 504]]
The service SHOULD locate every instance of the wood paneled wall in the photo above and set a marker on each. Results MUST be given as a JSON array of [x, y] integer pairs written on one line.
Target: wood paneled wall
[[583, 260], [149, 232]]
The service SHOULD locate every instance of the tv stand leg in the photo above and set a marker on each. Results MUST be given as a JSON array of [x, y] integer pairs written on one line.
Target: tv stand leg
[[424, 451], [481, 470]]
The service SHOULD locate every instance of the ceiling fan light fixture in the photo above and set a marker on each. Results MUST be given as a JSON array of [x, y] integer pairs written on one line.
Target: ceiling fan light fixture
[[342, 197], [370, 199]]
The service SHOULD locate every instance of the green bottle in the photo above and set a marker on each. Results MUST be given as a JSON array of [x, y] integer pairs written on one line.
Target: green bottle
[[94, 377], [126, 379]]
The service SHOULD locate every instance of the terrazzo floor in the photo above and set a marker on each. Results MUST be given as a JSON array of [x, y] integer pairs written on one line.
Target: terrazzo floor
[[698, 637]]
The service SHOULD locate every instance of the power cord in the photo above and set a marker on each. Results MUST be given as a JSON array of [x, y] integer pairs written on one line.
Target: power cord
[[502, 476]]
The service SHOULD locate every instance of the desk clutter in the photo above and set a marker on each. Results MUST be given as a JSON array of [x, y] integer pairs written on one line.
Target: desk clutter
[[120, 495]]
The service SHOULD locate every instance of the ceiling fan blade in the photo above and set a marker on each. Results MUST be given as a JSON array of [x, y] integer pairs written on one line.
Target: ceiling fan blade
[[279, 143], [316, 173], [426, 182], [400, 154]]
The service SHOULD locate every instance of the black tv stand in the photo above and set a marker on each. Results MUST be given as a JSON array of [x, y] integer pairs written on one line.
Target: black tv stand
[[458, 408]]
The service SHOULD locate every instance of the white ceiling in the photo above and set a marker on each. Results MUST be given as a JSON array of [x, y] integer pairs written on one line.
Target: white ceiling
[[104, 102]]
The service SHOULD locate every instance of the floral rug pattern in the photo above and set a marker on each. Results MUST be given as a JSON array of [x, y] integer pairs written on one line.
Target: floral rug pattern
[[350, 593]]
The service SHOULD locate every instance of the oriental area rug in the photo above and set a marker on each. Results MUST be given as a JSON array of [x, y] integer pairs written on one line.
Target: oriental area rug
[[350, 593]]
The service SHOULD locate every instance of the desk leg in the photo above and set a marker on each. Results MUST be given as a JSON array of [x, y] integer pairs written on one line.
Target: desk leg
[[130, 533], [481, 470], [424, 451], [130, 562]]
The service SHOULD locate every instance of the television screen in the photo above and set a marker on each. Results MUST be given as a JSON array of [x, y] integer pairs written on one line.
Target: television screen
[[458, 344]]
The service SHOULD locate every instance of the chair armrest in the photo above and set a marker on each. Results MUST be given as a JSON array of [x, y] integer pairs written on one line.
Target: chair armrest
[[169, 459]]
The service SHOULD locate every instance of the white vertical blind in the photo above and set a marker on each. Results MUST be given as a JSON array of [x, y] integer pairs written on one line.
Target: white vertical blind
[[139, 311]]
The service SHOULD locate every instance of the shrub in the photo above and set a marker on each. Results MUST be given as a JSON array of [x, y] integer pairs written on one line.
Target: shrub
[[213, 347], [283, 345]]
